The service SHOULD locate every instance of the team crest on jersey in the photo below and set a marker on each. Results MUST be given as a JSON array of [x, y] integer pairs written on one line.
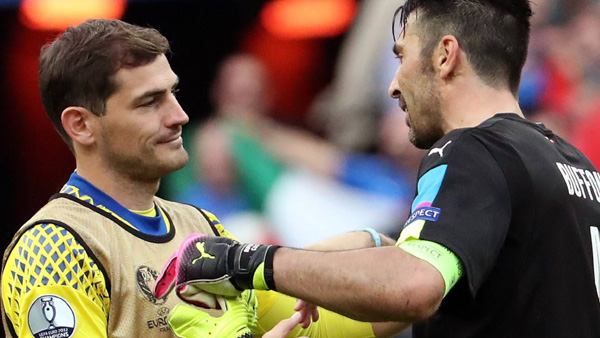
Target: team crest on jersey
[[424, 213], [51, 316], [146, 276]]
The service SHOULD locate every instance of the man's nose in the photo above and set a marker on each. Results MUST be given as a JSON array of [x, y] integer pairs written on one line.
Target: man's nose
[[178, 116], [394, 90]]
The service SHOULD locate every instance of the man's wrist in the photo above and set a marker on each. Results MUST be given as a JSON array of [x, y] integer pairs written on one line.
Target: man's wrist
[[374, 235]]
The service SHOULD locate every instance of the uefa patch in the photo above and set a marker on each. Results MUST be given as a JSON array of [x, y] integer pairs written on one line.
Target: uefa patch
[[146, 277], [50, 316], [424, 213]]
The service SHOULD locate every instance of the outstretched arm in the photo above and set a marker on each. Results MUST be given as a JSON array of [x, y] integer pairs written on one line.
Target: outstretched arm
[[374, 284], [356, 294], [377, 284], [361, 240]]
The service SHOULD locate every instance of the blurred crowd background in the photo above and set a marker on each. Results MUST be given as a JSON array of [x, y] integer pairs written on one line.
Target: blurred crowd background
[[292, 136]]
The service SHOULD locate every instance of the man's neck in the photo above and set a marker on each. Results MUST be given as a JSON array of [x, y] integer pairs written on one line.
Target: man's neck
[[469, 105], [130, 193]]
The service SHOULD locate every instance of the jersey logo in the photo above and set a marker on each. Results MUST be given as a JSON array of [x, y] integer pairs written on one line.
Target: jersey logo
[[50, 316], [439, 151], [203, 254], [424, 213], [146, 277]]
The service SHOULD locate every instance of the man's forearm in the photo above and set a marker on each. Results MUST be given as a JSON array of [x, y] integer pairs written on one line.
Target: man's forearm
[[375, 284], [378, 284], [360, 240]]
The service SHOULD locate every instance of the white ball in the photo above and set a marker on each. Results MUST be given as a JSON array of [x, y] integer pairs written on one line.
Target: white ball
[[195, 296]]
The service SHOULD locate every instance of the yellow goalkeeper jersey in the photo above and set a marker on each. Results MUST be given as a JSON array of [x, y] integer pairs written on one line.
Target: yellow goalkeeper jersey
[[84, 266]]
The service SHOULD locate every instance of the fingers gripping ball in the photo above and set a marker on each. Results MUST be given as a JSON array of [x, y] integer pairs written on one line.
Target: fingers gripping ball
[[238, 321], [184, 272], [204, 264]]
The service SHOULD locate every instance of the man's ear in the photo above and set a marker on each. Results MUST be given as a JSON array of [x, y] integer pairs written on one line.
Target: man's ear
[[79, 124], [446, 56]]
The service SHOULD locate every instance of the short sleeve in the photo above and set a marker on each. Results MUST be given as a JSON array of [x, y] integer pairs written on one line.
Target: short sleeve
[[462, 203], [51, 286]]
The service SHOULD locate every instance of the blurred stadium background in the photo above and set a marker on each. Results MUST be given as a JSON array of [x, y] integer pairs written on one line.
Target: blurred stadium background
[[326, 64]]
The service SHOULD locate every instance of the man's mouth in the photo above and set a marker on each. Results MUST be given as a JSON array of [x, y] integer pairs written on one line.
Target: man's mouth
[[170, 138]]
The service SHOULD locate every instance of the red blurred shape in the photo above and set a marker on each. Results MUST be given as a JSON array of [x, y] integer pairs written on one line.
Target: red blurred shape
[[60, 14], [299, 19]]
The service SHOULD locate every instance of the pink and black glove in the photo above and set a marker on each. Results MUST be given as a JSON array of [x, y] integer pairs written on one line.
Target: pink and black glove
[[217, 265]]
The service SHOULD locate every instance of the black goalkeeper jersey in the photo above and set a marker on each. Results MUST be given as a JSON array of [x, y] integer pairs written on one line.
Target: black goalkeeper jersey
[[520, 207]]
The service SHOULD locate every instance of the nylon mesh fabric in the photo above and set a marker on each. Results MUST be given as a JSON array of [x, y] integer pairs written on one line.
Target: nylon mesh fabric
[[48, 255]]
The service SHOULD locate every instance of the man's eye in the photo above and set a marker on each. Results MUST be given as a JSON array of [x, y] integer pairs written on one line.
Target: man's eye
[[175, 91], [399, 57], [149, 103]]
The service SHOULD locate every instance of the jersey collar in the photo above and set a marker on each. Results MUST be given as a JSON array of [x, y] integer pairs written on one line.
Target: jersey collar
[[85, 191]]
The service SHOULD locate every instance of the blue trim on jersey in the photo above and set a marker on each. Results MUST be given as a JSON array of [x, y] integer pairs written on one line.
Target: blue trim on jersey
[[429, 186], [154, 226]]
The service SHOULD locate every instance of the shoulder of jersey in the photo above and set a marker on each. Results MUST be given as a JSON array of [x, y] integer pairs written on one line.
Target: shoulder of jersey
[[217, 224], [441, 151]]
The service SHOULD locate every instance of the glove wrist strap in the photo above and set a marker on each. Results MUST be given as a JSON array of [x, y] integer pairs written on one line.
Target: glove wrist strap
[[253, 267], [268, 273]]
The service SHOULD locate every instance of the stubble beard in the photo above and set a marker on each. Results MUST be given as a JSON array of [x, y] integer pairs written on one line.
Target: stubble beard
[[145, 166], [426, 136], [428, 131]]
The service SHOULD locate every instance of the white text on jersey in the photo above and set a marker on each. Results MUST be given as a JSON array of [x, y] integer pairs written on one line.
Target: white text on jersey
[[581, 181]]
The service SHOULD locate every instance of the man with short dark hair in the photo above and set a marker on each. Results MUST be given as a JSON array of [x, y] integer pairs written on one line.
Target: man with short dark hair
[[503, 238], [84, 264]]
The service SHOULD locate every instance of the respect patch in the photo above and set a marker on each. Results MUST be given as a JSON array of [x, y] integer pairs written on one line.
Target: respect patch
[[424, 213]]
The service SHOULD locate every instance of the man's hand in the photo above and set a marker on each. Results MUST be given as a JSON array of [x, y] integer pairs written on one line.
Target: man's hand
[[217, 265], [284, 327], [308, 312]]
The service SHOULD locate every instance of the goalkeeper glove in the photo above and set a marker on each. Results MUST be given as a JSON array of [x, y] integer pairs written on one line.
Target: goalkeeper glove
[[218, 265], [239, 319]]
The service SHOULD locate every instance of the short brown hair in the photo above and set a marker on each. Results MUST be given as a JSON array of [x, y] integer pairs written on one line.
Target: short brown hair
[[78, 67]]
